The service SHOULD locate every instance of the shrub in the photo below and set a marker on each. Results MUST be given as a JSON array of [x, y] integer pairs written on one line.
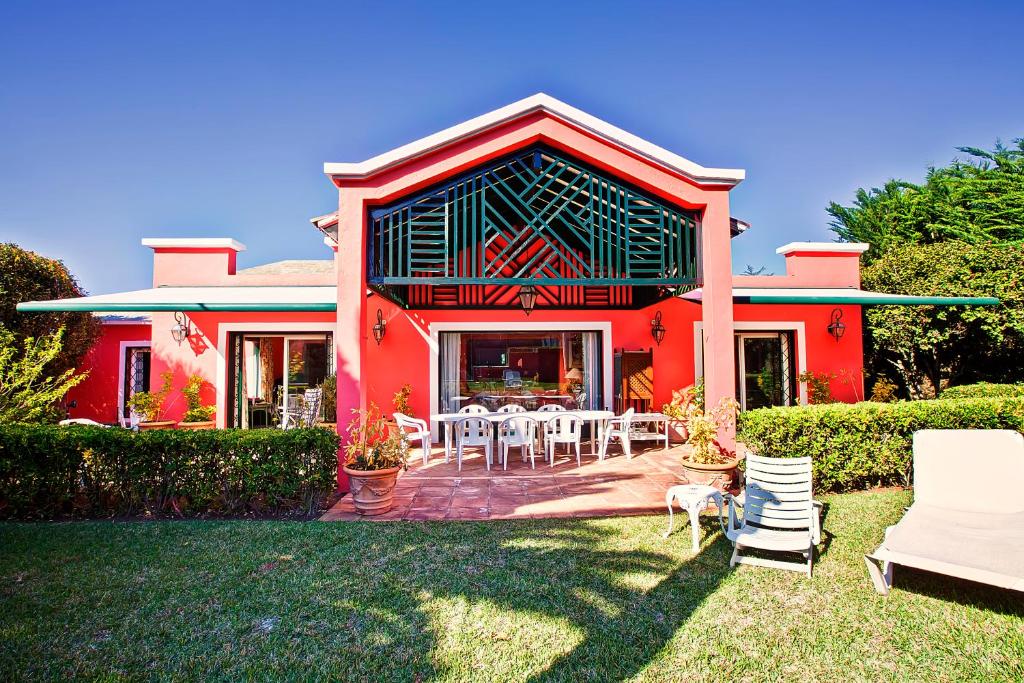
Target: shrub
[[984, 390], [195, 411], [48, 471], [149, 405], [861, 445]]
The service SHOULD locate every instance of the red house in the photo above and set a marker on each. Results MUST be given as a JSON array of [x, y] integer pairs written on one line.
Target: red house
[[535, 250]]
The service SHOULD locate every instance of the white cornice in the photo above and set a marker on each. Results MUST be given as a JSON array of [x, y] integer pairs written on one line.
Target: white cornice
[[824, 247], [193, 243], [538, 103]]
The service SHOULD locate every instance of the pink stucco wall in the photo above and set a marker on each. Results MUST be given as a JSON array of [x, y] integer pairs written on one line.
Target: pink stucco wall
[[96, 396]]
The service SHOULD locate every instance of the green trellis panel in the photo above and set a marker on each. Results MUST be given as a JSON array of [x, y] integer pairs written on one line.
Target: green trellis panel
[[536, 216]]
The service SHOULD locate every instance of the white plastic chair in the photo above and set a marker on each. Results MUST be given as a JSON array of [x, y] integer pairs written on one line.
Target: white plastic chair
[[564, 429], [617, 428], [473, 409], [415, 430], [473, 431], [551, 407], [511, 408], [518, 432], [779, 513]]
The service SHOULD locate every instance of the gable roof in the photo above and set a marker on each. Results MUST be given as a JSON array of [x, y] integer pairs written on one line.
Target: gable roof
[[525, 107]]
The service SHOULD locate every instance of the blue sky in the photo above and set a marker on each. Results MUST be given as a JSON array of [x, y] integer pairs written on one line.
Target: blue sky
[[127, 120]]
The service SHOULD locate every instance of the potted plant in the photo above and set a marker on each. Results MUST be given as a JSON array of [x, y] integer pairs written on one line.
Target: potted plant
[[329, 399], [149, 405], [678, 408], [197, 416], [374, 455], [706, 462], [400, 402]]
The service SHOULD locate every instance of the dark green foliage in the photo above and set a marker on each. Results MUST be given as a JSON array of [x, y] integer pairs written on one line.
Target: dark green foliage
[[27, 276], [48, 471], [978, 200], [867, 444], [984, 390], [924, 348]]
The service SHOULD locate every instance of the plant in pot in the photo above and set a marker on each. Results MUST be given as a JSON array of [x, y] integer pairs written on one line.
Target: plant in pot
[[149, 405], [197, 416], [400, 402], [706, 462], [678, 409], [374, 455]]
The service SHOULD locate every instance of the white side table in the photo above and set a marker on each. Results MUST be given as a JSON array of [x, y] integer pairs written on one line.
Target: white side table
[[693, 498]]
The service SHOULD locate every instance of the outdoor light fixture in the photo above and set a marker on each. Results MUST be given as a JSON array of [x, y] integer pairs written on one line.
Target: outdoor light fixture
[[836, 328], [657, 329], [528, 298], [180, 330], [380, 328]]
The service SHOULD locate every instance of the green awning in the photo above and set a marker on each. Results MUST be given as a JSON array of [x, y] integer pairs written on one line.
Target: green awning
[[842, 295]]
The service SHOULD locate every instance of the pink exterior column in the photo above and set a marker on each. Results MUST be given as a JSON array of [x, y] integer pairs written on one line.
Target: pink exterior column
[[350, 335], [716, 305]]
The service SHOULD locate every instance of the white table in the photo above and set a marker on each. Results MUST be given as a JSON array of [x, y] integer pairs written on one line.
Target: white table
[[693, 498], [596, 418], [661, 419]]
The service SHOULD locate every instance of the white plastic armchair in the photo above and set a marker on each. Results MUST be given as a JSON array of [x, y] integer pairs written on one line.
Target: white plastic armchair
[[415, 430], [779, 513], [551, 408], [473, 431], [617, 428], [564, 429], [518, 432]]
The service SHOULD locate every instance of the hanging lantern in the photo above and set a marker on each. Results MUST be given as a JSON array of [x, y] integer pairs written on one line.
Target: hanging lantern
[[528, 298], [380, 328], [657, 329], [836, 327], [180, 330]]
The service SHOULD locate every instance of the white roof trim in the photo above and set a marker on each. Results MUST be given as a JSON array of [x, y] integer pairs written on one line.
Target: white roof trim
[[825, 247], [524, 107], [193, 243], [229, 298]]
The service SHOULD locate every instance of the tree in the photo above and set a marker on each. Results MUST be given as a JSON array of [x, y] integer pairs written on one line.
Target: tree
[[28, 392], [978, 200], [27, 276], [928, 347]]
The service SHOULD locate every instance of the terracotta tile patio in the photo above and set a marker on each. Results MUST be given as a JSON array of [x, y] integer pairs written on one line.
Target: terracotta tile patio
[[615, 487]]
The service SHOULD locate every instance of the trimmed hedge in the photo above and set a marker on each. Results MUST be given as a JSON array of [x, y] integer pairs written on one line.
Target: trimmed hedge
[[867, 444], [48, 471], [984, 390]]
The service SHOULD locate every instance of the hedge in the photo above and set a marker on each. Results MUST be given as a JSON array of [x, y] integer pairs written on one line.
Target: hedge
[[48, 471], [984, 390], [867, 444]]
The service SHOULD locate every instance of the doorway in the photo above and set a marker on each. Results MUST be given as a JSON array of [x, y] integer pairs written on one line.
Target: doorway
[[764, 369]]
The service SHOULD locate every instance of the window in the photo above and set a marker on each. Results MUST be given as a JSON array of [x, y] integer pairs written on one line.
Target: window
[[528, 368]]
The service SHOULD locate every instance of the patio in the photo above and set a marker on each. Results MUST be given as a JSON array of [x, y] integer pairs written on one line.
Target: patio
[[617, 486]]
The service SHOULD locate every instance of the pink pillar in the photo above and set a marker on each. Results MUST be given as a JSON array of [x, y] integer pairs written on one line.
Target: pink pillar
[[350, 335], [716, 306]]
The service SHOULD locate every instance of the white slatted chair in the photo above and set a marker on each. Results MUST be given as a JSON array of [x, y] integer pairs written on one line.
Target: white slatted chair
[[564, 429], [551, 407], [779, 513], [511, 408], [473, 432], [617, 428], [415, 430], [518, 432]]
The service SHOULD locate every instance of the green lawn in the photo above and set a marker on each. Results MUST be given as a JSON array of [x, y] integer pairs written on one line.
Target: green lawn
[[562, 599]]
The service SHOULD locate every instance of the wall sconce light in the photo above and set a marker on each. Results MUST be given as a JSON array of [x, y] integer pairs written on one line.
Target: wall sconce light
[[836, 327], [380, 328], [180, 330], [528, 298], [657, 329]]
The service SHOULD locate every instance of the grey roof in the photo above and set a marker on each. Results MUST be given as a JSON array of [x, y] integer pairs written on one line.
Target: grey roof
[[291, 267]]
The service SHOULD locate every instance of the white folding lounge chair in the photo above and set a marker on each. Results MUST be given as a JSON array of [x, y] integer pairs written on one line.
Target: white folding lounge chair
[[779, 513], [967, 519]]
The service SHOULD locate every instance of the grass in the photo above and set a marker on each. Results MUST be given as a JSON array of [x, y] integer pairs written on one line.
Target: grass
[[540, 600]]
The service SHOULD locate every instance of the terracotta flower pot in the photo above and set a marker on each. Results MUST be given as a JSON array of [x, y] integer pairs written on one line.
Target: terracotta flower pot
[[720, 475], [161, 424], [205, 424], [372, 491]]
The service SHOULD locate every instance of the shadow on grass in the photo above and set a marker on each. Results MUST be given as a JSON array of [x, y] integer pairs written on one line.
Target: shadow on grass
[[960, 591]]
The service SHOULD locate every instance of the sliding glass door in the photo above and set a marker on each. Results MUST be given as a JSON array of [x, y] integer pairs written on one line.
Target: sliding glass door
[[531, 369], [764, 369]]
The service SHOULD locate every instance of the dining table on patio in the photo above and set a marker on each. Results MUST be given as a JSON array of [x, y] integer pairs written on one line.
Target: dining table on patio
[[596, 418]]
